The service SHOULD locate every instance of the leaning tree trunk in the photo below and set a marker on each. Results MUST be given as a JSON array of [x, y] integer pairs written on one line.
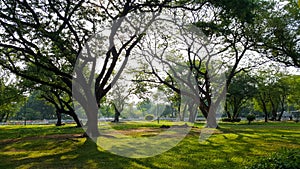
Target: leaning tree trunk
[[75, 118], [280, 115], [282, 110]]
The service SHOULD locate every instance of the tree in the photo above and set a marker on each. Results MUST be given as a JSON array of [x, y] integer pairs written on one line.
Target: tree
[[10, 99], [273, 90], [36, 108], [119, 97], [129, 21], [292, 86], [250, 117], [241, 90], [40, 41], [229, 30], [278, 36], [45, 38]]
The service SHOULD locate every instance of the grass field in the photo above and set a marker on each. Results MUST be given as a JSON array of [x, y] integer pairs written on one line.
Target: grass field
[[234, 145]]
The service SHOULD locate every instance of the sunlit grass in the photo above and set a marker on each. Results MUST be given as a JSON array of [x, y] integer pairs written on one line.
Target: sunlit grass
[[233, 145]]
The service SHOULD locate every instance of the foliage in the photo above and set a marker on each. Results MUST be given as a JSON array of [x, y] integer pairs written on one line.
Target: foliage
[[241, 90], [283, 159], [278, 36], [149, 117], [230, 120], [40, 41], [10, 100], [36, 108]]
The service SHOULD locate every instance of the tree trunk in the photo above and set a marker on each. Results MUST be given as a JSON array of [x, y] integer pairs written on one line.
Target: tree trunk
[[280, 115], [266, 116], [117, 114], [212, 118], [235, 113], [204, 111], [76, 119], [227, 111], [282, 109], [92, 123], [264, 108], [182, 114], [192, 116], [6, 117], [274, 115], [58, 115]]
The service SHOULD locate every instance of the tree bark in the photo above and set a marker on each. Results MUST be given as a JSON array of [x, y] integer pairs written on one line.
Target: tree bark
[[92, 123], [212, 118], [227, 111], [117, 114], [58, 115], [76, 119]]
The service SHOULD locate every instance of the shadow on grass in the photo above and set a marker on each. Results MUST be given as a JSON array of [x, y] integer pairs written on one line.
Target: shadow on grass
[[231, 147], [85, 155]]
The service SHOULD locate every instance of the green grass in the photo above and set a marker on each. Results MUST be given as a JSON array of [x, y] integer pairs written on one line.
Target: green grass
[[234, 145]]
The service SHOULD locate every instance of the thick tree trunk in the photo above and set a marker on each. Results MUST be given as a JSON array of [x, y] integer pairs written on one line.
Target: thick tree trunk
[[92, 123], [193, 112], [204, 111], [212, 118], [182, 114], [266, 116], [58, 115]]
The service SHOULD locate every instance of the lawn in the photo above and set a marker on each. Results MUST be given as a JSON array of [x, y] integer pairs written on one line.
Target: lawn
[[234, 145]]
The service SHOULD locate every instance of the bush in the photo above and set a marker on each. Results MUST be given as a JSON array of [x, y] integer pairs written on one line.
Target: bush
[[284, 159], [149, 117], [226, 119], [236, 120], [250, 117], [230, 120]]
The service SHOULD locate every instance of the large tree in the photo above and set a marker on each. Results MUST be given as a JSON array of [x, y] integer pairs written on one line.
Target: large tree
[[225, 41], [40, 41], [240, 91], [277, 30]]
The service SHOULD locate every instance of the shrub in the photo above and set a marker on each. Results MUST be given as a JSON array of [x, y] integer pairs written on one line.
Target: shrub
[[230, 120], [284, 159], [149, 117], [250, 117], [236, 120], [226, 119]]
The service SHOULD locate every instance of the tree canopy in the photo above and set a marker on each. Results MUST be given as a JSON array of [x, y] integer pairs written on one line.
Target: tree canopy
[[79, 49]]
